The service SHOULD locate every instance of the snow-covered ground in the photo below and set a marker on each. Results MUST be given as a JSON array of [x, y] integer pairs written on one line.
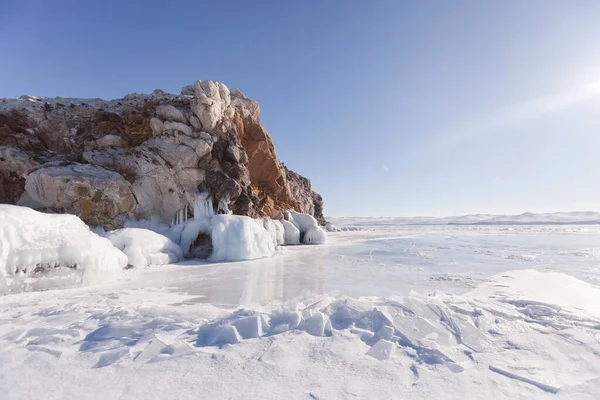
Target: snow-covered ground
[[528, 218], [424, 312]]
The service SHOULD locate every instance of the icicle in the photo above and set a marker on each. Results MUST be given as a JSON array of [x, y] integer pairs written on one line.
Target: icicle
[[203, 206]]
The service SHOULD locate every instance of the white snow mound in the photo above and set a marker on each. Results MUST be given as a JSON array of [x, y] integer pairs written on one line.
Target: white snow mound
[[310, 231], [315, 235], [144, 247], [236, 237], [291, 233], [35, 244], [191, 229]]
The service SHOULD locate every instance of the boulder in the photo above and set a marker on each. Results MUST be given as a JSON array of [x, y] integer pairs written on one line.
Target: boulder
[[210, 104], [167, 112], [99, 196], [14, 164]]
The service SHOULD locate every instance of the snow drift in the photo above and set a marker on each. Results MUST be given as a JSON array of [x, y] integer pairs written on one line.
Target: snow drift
[[57, 247], [144, 247]]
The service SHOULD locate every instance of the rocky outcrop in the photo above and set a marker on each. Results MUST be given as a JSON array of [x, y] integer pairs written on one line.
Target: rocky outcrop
[[145, 155], [309, 201], [97, 195]]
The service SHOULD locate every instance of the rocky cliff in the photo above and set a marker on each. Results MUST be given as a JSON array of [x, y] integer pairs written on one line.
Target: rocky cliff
[[145, 155]]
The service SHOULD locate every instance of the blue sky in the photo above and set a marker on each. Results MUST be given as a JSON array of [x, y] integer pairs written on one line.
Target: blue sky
[[389, 107]]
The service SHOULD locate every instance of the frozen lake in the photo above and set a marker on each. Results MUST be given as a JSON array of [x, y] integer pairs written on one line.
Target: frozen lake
[[417, 312], [385, 261]]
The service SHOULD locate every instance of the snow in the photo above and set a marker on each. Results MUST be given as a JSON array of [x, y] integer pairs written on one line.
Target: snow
[[270, 227], [315, 235], [409, 312], [302, 221], [191, 230], [237, 237], [144, 247], [31, 242], [291, 233], [528, 218], [310, 231], [280, 232]]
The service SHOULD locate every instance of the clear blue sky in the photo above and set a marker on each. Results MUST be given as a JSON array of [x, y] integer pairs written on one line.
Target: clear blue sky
[[389, 107]]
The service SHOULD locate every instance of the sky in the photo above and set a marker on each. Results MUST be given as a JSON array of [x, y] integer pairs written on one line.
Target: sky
[[391, 108]]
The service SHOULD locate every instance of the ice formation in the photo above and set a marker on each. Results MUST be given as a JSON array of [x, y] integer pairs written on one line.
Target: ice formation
[[203, 206], [280, 232], [191, 230], [180, 217], [32, 242], [310, 231], [236, 237], [291, 233], [237, 231], [232, 232], [315, 235], [144, 247], [270, 227]]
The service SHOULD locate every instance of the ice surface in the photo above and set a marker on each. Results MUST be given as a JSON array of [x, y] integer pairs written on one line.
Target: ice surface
[[237, 237], [37, 245], [144, 247], [528, 218], [408, 308]]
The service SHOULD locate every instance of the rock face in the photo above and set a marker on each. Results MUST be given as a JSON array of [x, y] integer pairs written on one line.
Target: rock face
[[145, 155], [309, 201]]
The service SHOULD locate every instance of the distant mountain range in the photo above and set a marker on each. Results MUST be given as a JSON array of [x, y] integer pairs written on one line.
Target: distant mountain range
[[558, 218]]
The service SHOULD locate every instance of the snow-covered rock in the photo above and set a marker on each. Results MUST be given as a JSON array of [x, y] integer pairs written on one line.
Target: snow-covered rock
[[191, 230], [315, 235], [33, 243], [144, 247], [236, 237], [280, 232], [329, 227], [271, 228], [310, 231], [291, 233]]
